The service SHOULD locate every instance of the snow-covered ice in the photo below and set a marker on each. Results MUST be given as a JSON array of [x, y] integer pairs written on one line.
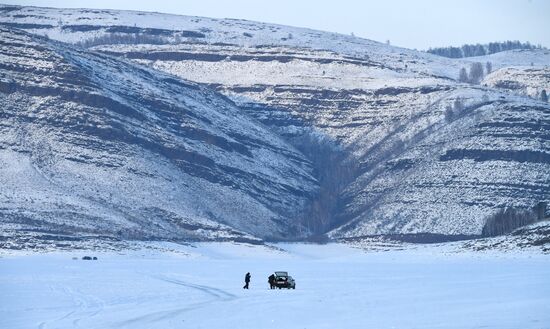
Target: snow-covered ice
[[338, 286]]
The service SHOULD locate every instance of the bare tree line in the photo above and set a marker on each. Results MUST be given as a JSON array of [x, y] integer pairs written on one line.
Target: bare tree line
[[472, 50], [475, 73], [508, 219]]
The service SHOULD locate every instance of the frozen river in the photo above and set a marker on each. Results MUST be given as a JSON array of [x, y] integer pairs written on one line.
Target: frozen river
[[337, 287]]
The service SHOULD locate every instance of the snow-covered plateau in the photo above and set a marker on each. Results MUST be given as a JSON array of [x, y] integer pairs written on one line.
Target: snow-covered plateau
[[295, 133], [163, 285]]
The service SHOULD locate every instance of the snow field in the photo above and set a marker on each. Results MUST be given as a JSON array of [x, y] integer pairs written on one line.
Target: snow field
[[337, 287]]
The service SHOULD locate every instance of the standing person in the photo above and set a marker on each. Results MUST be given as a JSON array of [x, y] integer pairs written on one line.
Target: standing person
[[246, 280], [271, 281]]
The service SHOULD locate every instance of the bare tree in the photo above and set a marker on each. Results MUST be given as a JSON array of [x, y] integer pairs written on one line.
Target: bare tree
[[463, 75], [476, 73], [488, 67], [454, 109], [458, 105]]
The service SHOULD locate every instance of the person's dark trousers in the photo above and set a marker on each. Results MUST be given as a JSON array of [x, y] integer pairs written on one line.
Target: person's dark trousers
[[245, 286]]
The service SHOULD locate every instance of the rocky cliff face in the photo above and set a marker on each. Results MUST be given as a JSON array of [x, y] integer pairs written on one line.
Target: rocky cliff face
[[395, 143]]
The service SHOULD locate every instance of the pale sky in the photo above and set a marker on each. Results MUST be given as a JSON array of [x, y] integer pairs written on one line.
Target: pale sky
[[412, 24]]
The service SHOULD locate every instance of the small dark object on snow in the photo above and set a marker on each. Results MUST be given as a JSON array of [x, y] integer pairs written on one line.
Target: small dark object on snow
[[86, 258], [95, 258], [246, 280]]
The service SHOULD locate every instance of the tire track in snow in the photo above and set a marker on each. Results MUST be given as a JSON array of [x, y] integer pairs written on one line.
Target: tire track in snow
[[90, 306], [84, 304], [216, 292], [217, 295]]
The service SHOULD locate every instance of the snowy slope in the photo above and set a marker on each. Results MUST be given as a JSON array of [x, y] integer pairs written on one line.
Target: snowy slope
[[77, 25], [531, 236], [522, 80], [494, 153], [518, 57], [370, 117], [91, 144]]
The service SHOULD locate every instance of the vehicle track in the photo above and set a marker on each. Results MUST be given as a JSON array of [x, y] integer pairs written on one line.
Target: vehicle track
[[216, 295], [85, 306]]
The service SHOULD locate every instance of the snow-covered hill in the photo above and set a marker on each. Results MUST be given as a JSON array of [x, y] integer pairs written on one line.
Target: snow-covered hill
[[397, 145], [532, 236], [91, 144], [81, 25], [91, 25], [522, 80], [513, 58]]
